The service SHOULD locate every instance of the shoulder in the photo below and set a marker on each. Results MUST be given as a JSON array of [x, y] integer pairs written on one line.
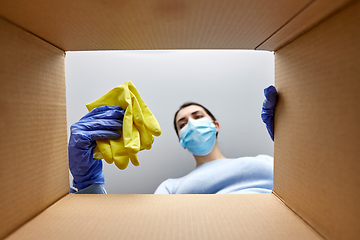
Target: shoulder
[[261, 158], [265, 157], [166, 187]]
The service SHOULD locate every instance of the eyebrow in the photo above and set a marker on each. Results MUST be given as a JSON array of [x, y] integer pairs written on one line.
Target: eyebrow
[[194, 113]]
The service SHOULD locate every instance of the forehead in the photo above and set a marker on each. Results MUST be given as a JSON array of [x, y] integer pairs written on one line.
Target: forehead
[[187, 111]]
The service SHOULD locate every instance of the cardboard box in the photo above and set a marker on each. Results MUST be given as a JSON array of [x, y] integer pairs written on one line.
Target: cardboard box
[[316, 178]]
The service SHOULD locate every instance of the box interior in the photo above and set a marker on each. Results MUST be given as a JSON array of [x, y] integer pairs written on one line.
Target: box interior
[[316, 73], [179, 24], [142, 216], [317, 127], [34, 170]]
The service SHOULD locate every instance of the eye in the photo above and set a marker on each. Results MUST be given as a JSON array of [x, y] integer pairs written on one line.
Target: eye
[[198, 116], [182, 125]]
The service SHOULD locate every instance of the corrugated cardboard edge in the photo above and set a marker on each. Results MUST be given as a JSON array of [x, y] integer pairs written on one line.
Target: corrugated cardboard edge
[[277, 196], [26, 30], [178, 216], [118, 25], [34, 217], [34, 175], [309, 17], [316, 141]]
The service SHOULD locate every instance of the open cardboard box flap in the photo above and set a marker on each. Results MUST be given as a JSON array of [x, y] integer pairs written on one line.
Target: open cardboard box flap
[[259, 216], [317, 61]]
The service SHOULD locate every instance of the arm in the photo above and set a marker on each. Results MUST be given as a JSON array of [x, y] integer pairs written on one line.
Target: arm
[[92, 189], [165, 186], [101, 123]]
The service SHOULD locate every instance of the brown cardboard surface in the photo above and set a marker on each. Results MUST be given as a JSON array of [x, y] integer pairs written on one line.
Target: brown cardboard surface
[[317, 125], [253, 216], [153, 24], [33, 142], [307, 18], [316, 162]]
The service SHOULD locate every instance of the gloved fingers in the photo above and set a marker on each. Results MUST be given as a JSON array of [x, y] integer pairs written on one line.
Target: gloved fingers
[[110, 114], [271, 97], [130, 133], [153, 129], [270, 92], [146, 138], [133, 144], [102, 134], [121, 161], [104, 108], [107, 112], [98, 124], [118, 144], [121, 157], [268, 109], [105, 149], [137, 113], [134, 160], [128, 124], [96, 153], [150, 120], [269, 123], [83, 140], [267, 117]]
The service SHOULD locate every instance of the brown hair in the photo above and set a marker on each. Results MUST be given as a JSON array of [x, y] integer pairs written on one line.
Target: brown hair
[[189, 104]]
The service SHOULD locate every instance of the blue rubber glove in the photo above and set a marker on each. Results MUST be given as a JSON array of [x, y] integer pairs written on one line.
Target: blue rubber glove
[[101, 123], [268, 109]]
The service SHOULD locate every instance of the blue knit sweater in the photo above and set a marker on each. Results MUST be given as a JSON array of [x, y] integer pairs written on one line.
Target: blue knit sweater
[[222, 176]]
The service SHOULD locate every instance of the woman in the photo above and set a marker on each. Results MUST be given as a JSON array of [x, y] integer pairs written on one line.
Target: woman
[[197, 130]]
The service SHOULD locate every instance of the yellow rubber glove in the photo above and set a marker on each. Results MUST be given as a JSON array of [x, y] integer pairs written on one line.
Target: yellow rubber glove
[[139, 126], [151, 123]]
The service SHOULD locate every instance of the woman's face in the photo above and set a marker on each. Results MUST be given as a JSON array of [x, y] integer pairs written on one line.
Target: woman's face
[[194, 112]]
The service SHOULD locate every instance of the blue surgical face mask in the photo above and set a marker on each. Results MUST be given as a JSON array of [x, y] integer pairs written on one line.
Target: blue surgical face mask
[[198, 136]]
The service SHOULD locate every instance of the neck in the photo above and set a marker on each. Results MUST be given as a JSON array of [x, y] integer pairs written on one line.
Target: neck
[[213, 155]]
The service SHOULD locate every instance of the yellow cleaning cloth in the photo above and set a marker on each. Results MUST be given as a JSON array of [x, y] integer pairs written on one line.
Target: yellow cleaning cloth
[[139, 126]]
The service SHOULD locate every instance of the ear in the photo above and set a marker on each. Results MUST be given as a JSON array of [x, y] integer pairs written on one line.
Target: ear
[[217, 125]]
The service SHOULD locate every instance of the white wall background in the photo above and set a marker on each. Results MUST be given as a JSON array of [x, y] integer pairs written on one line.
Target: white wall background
[[229, 83]]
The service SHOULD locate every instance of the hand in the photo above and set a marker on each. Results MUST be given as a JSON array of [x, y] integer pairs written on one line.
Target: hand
[[101, 123], [268, 109]]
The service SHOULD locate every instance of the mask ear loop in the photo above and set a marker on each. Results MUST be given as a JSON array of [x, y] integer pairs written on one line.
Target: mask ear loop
[[213, 121]]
